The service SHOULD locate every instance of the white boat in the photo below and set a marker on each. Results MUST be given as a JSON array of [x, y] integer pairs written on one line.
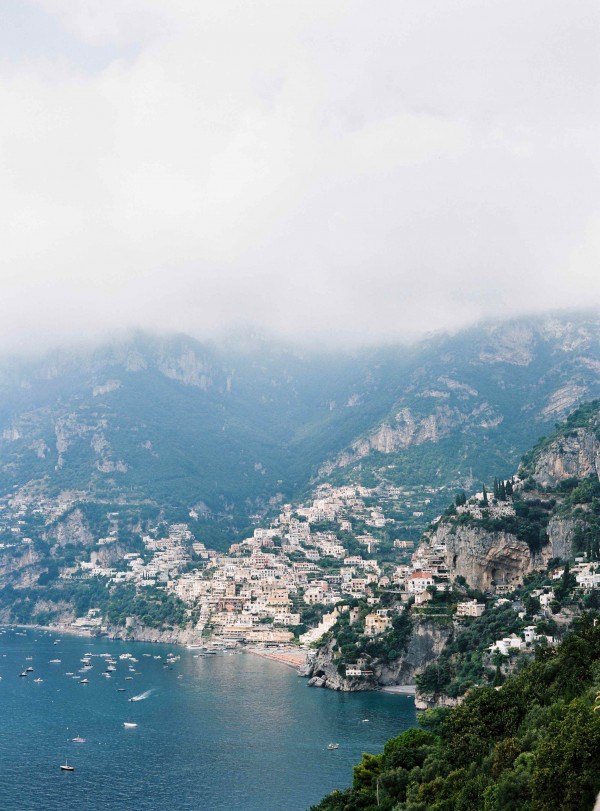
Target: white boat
[[78, 739], [333, 746], [38, 681], [54, 661], [66, 768], [129, 724], [84, 681]]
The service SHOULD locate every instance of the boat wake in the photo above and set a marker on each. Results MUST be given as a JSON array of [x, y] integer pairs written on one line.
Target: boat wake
[[142, 696]]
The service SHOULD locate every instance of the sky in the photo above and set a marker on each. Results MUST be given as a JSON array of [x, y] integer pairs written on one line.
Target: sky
[[331, 171]]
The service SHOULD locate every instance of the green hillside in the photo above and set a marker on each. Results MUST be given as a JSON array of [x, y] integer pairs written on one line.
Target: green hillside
[[531, 745]]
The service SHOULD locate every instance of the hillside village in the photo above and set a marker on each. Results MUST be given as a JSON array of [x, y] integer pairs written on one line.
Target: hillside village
[[334, 579], [291, 582]]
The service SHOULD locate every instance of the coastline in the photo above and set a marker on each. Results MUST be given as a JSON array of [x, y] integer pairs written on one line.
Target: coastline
[[400, 689], [141, 634], [290, 657]]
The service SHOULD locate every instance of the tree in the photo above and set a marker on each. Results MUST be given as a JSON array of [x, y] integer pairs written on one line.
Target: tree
[[484, 497]]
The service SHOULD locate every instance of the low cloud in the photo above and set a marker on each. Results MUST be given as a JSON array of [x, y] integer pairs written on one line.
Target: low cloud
[[346, 172]]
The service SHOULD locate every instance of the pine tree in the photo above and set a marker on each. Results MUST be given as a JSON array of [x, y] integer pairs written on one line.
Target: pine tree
[[502, 491], [509, 487], [496, 489], [484, 500]]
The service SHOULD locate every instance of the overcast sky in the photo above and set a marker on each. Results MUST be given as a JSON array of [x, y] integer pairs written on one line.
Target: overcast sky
[[335, 170]]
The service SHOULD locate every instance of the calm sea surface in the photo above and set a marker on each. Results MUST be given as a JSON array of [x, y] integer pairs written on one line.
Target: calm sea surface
[[215, 732]]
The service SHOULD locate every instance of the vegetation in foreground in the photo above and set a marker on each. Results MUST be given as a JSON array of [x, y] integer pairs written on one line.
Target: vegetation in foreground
[[531, 745]]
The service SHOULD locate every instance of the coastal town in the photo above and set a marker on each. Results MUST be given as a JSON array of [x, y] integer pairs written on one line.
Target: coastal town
[[284, 587]]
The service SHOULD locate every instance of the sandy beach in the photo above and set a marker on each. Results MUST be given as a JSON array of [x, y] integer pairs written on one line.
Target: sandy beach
[[292, 657], [400, 689]]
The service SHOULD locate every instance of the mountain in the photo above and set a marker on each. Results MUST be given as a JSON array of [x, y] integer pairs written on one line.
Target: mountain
[[474, 402], [495, 545], [515, 727], [218, 435], [177, 426]]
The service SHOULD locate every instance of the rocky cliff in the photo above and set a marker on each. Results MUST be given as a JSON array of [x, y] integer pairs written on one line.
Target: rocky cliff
[[426, 642], [483, 557], [574, 455], [487, 556]]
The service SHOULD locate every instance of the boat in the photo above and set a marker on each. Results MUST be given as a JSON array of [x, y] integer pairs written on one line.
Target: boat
[[121, 689], [83, 681], [78, 739], [38, 681], [22, 674], [333, 746], [129, 724], [128, 678], [54, 661], [66, 768]]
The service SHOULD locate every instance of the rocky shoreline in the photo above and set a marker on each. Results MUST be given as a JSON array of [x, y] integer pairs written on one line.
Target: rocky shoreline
[[139, 634]]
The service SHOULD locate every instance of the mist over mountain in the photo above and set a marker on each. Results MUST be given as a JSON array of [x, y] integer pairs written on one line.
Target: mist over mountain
[[220, 434]]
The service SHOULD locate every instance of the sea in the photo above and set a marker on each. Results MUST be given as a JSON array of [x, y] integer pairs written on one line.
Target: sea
[[222, 732]]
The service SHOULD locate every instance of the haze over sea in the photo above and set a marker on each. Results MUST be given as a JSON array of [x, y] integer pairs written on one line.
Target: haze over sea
[[216, 732]]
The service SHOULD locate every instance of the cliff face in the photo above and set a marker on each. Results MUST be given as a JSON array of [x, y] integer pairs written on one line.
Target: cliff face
[[576, 455], [406, 429], [21, 569], [560, 532], [426, 643], [481, 556], [72, 529]]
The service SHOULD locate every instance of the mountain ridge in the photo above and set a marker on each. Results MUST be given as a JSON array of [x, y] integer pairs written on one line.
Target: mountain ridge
[[230, 431]]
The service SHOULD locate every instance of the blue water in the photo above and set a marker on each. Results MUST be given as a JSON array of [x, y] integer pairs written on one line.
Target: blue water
[[216, 732]]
